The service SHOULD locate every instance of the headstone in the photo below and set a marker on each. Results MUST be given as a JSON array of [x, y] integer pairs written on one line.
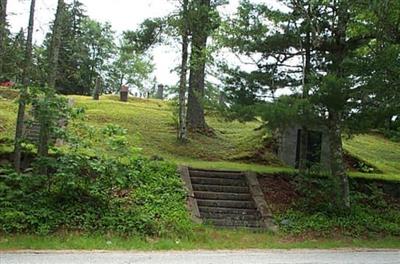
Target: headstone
[[124, 93], [96, 93], [160, 92]]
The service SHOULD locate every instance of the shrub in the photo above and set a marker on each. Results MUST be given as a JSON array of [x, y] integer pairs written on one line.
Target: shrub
[[315, 213], [136, 196]]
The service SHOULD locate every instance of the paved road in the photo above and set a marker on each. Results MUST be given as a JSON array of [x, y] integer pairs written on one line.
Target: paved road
[[205, 257]]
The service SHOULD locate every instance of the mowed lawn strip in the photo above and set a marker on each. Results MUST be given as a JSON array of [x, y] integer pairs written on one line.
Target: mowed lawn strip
[[210, 239]]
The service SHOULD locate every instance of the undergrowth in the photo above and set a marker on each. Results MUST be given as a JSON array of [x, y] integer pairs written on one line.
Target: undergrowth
[[372, 214], [134, 196]]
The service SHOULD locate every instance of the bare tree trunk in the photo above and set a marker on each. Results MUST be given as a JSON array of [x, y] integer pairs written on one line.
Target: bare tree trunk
[[182, 131], [195, 109], [338, 169], [3, 33], [303, 166], [55, 45], [24, 90]]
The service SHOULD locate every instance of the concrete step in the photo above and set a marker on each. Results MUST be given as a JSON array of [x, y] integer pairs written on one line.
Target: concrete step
[[234, 223], [243, 217], [220, 188], [218, 181], [216, 174], [226, 203], [224, 210], [222, 196]]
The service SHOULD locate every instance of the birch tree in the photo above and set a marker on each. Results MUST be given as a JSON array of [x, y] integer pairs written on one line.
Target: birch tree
[[182, 130]]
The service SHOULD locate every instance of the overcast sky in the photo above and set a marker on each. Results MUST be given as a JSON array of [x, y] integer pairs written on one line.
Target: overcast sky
[[122, 14]]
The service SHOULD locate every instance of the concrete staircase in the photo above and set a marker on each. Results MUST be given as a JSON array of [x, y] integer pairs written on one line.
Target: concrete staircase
[[225, 199]]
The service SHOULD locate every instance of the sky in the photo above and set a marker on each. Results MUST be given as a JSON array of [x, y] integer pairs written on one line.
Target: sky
[[122, 14]]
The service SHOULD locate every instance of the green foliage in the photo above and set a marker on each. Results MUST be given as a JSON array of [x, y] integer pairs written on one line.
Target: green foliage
[[50, 110], [88, 194], [361, 221], [130, 66], [393, 135], [117, 136], [13, 57], [148, 34], [288, 110], [314, 212]]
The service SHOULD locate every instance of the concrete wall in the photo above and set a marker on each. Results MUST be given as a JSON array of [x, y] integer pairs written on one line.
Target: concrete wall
[[288, 146]]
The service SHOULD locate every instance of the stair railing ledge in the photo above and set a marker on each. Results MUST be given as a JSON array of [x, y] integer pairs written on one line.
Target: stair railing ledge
[[191, 200], [259, 199]]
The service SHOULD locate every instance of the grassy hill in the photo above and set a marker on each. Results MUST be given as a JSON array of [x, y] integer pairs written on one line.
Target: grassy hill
[[151, 126]]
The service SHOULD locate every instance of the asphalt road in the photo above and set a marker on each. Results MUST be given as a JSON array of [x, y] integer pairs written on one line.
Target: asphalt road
[[205, 257]]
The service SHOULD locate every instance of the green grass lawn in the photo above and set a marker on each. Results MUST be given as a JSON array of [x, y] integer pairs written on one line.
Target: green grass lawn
[[151, 126], [210, 239], [378, 151], [8, 114]]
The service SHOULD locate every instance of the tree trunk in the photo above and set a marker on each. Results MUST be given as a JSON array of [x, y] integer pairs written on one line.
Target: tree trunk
[[337, 165], [182, 132], [338, 169], [24, 90], [55, 45], [3, 33], [303, 164], [195, 109], [43, 146]]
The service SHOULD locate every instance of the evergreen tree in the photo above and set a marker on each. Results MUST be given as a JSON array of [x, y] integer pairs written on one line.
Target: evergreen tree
[[315, 46], [55, 44]]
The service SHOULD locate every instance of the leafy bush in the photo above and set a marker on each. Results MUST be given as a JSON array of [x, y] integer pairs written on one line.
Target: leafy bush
[[316, 213], [136, 196], [317, 194], [393, 135], [360, 221]]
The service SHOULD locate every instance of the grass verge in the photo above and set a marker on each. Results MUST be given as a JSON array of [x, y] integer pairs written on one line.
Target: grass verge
[[208, 239]]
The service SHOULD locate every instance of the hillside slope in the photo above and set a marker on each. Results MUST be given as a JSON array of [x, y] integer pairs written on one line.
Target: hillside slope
[[151, 127]]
